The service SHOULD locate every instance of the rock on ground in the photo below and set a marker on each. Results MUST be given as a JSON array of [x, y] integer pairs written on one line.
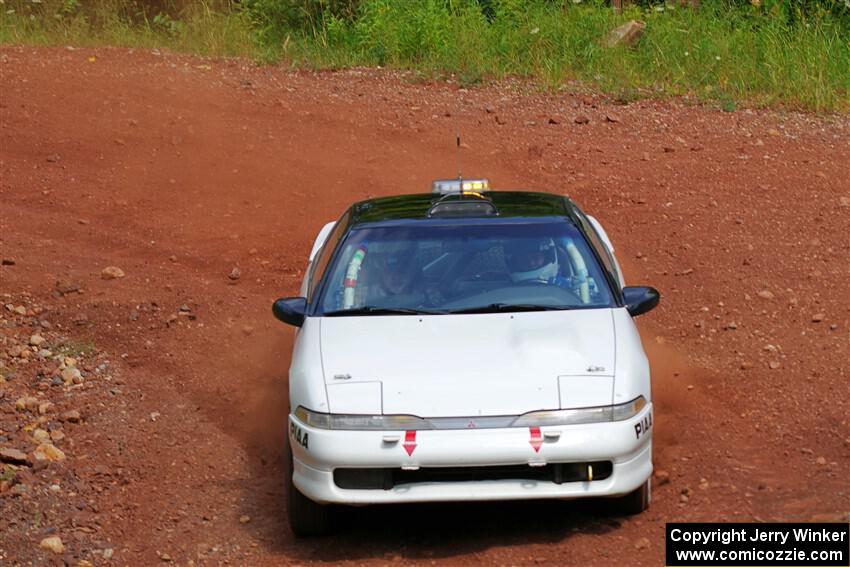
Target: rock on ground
[[54, 544], [112, 273], [627, 34]]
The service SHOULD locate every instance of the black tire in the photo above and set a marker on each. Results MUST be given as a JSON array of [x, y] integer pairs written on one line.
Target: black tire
[[636, 501], [306, 518]]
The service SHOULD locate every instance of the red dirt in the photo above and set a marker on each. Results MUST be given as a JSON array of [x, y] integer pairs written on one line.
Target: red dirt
[[182, 168]]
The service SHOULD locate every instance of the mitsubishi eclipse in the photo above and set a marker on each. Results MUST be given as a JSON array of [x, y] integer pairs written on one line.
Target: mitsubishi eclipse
[[465, 345]]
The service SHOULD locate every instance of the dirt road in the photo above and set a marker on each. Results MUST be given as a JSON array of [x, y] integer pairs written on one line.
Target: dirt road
[[178, 170]]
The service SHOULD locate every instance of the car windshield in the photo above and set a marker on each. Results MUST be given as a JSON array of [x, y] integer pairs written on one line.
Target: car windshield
[[463, 268]]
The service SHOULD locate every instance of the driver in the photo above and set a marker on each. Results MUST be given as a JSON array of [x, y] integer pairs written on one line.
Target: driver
[[533, 260]]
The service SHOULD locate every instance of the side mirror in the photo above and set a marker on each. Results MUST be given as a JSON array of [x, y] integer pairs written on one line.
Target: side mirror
[[640, 299], [290, 310]]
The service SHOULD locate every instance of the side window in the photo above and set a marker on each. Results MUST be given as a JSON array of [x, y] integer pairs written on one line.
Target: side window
[[320, 264], [601, 249]]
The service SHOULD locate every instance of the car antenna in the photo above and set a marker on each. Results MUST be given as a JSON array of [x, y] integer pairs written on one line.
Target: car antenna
[[459, 168]]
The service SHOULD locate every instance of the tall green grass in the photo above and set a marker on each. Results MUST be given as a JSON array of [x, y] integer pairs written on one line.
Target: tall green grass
[[193, 27], [715, 53], [727, 51]]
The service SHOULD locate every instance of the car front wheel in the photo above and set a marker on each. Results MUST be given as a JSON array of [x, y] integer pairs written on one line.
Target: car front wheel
[[306, 518]]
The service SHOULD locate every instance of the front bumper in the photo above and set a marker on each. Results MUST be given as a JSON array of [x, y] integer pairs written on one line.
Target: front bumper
[[317, 452]]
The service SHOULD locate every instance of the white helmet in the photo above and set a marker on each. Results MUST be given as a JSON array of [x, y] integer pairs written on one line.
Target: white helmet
[[532, 259]]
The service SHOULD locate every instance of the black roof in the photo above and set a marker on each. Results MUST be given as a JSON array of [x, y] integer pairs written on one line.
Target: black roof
[[509, 204]]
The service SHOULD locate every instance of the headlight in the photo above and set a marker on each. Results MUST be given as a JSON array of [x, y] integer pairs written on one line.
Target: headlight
[[360, 422], [581, 415], [315, 419], [598, 414]]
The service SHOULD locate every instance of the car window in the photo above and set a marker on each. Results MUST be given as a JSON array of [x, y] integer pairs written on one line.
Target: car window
[[324, 255], [457, 267], [601, 249]]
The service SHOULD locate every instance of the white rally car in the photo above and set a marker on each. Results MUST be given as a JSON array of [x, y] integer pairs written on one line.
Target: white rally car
[[465, 344]]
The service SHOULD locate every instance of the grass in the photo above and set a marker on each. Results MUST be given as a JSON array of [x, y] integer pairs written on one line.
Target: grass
[[199, 29], [713, 53], [76, 348], [723, 53]]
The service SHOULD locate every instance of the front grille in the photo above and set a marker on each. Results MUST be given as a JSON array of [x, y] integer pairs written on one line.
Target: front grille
[[387, 478]]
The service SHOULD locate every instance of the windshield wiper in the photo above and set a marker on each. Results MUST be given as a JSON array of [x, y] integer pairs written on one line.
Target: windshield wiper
[[508, 307], [373, 310]]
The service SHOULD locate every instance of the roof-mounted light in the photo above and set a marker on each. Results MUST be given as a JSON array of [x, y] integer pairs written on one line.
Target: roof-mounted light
[[450, 186]]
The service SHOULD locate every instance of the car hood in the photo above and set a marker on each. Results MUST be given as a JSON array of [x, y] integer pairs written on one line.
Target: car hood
[[468, 365]]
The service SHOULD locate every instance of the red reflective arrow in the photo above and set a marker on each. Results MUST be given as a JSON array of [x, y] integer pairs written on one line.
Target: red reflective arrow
[[409, 442], [536, 438]]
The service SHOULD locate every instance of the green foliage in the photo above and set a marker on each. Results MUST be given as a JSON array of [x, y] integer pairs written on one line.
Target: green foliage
[[791, 11], [275, 20], [209, 27], [723, 52], [763, 52]]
